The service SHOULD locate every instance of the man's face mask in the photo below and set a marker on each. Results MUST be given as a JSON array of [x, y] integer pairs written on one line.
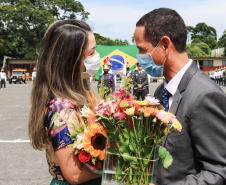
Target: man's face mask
[[92, 66], [147, 63]]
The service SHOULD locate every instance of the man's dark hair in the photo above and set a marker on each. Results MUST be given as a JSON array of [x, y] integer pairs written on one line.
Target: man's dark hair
[[164, 22]]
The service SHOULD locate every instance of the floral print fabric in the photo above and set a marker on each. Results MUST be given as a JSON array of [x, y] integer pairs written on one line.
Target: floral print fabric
[[59, 115]]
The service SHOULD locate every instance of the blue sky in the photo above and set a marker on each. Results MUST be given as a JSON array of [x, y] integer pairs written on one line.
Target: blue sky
[[117, 19]]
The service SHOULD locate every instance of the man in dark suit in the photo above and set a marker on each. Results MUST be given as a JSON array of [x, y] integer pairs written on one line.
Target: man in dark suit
[[108, 80], [140, 83], [199, 154]]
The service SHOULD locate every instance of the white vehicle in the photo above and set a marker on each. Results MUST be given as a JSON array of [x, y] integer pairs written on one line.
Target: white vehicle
[[211, 74]]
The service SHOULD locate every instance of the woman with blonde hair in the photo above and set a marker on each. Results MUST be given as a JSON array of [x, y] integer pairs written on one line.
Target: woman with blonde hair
[[67, 59]]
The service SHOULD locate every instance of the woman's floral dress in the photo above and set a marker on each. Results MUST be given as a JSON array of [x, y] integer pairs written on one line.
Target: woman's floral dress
[[59, 116]]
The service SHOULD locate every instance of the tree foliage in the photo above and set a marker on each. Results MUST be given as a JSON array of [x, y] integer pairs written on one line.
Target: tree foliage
[[222, 42], [24, 22], [101, 40], [203, 33], [198, 50]]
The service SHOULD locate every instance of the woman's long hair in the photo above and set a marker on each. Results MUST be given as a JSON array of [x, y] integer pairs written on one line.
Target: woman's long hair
[[59, 74]]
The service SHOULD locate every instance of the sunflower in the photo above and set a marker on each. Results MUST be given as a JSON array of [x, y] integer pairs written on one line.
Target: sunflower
[[94, 141]]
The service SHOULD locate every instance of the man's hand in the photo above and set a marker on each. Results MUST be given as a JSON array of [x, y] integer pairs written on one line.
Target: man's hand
[[139, 86]]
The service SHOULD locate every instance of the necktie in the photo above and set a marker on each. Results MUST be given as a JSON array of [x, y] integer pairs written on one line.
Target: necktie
[[165, 99]]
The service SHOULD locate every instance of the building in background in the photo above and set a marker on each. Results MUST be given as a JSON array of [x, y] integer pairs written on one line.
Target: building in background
[[211, 63], [10, 64]]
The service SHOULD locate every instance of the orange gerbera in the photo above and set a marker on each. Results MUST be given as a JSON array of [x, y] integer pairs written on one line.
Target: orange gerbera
[[94, 141], [148, 111]]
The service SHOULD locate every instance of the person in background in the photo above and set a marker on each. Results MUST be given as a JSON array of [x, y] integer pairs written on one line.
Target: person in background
[[34, 74], [221, 75], [140, 84], [61, 89], [128, 71], [3, 79], [109, 63], [27, 77], [135, 69], [198, 151], [215, 75], [224, 76], [108, 80], [23, 77]]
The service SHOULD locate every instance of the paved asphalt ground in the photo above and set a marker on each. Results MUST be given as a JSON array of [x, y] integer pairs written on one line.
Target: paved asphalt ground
[[20, 164]]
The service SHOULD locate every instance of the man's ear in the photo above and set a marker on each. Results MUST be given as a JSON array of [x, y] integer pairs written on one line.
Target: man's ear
[[165, 43]]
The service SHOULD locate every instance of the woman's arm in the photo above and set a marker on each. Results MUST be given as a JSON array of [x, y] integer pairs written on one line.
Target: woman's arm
[[73, 170]]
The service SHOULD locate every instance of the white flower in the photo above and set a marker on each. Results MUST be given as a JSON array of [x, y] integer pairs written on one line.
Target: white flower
[[78, 144], [80, 137], [87, 112]]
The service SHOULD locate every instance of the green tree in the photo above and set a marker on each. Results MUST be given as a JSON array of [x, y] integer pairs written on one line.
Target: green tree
[[189, 31], [25, 22], [222, 42], [133, 39], [205, 34], [198, 50], [101, 40]]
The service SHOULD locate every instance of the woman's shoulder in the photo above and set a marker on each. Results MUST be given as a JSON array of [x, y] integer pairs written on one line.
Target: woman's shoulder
[[60, 118]]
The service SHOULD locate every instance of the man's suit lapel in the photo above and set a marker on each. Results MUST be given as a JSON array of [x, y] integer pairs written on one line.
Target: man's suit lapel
[[181, 88], [176, 101]]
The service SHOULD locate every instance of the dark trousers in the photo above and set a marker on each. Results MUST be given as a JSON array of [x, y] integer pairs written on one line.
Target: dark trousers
[[217, 80], [140, 94], [224, 82], [3, 82]]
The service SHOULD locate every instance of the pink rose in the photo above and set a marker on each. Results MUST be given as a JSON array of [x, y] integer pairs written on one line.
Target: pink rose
[[160, 115], [100, 103], [152, 101], [120, 93], [107, 103], [119, 115], [171, 117], [100, 111]]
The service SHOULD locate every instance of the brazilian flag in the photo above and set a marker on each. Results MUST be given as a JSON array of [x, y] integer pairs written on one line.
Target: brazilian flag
[[119, 56]]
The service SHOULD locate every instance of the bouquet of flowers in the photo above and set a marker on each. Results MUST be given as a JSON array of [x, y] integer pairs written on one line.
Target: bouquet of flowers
[[132, 130], [89, 141]]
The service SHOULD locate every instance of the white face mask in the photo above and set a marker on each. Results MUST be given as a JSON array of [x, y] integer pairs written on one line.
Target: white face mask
[[92, 66]]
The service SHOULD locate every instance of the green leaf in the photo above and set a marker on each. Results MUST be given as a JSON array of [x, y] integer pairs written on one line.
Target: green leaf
[[125, 149], [118, 173], [167, 161], [126, 142], [113, 150], [126, 135], [119, 169], [124, 104], [127, 157], [166, 157], [132, 134], [149, 141], [103, 116], [131, 147], [162, 152], [146, 152]]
